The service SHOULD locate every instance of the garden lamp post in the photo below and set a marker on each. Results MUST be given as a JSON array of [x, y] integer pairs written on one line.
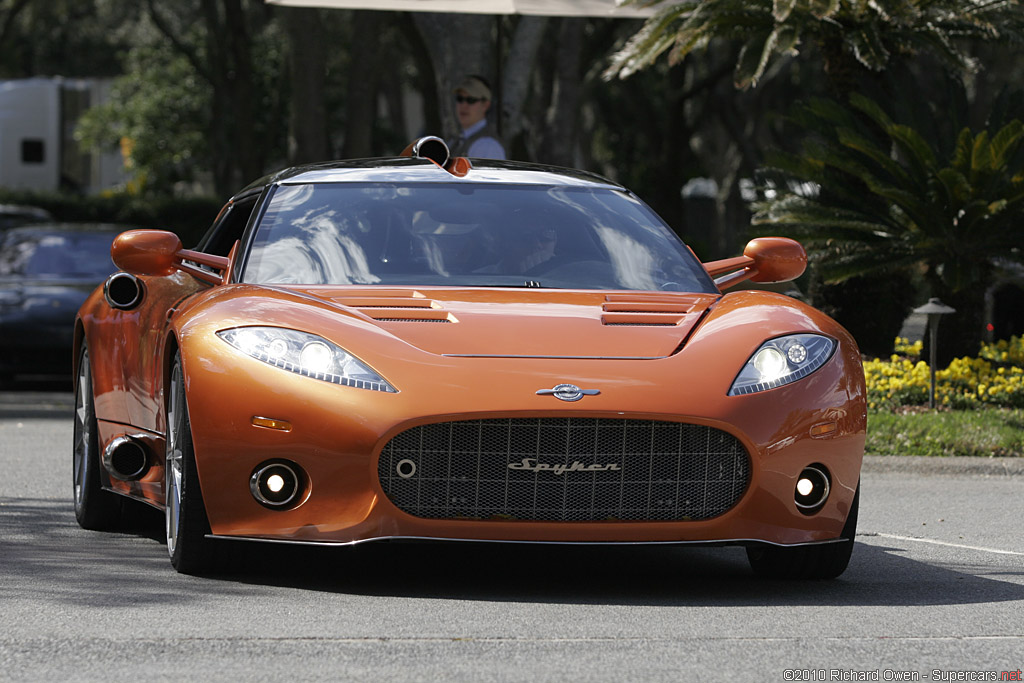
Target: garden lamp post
[[934, 309]]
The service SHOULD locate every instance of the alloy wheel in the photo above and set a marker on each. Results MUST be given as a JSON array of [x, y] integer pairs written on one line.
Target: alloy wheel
[[172, 470]]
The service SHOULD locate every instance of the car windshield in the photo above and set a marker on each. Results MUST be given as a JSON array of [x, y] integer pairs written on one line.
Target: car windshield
[[468, 235], [71, 255]]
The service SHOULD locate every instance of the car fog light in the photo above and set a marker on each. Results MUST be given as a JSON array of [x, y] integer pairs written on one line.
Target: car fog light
[[276, 484], [812, 488]]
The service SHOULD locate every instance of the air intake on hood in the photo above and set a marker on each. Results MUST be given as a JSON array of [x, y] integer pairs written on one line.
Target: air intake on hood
[[397, 306], [646, 310]]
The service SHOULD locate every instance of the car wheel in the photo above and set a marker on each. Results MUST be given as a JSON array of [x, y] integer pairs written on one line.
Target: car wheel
[[184, 512], [95, 508], [811, 561]]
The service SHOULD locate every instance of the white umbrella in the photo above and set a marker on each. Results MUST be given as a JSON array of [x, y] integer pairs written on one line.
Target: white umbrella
[[553, 8]]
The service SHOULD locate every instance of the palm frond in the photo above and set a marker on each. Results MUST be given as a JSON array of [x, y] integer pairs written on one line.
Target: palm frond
[[893, 196], [868, 47], [647, 44], [915, 147], [781, 10]]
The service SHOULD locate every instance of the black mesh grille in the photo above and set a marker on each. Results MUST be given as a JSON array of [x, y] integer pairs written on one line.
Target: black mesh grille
[[564, 469]]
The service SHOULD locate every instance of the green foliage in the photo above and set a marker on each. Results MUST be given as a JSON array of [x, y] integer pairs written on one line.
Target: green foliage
[[894, 197], [984, 433], [907, 187], [199, 100], [71, 38], [159, 112], [849, 32], [988, 379]]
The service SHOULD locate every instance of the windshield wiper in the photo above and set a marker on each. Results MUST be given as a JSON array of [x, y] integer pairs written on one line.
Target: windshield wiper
[[529, 284]]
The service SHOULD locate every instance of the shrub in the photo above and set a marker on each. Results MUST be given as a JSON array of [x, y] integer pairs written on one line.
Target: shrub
[[994, 378], [189, 217]]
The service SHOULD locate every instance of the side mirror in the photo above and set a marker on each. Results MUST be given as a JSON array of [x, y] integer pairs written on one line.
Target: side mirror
[[765, 259], [157, 252], [146, 252], [776, 259]]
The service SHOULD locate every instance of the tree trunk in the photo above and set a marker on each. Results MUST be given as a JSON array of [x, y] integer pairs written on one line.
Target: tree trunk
[[558, 145], [229, 70], [242, 91], [517, 68], [307, 123], [361, 102]]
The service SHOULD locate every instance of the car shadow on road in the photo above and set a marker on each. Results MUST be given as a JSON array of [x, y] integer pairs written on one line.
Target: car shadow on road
[[616, 575], [43, 549]]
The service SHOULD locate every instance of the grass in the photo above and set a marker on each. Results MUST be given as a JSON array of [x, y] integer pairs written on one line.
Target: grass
[[984, 432]]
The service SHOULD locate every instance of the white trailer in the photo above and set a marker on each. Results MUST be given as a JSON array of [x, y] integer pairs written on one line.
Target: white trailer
[[38, 150]]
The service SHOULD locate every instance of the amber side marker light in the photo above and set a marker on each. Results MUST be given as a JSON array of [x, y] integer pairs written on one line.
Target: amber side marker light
[[271, 423], [823, 429]]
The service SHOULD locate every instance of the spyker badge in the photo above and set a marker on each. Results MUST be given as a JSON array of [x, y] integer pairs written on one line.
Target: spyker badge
[[568, 392]]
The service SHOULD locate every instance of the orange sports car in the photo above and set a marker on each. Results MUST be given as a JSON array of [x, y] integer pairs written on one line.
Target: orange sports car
[[432, 348]]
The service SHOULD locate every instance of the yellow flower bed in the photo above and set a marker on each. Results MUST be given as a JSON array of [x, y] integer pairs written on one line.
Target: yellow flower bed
[[1004, 351], [995, 378]]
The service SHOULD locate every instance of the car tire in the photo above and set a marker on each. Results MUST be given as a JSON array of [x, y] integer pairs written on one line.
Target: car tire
[[810, 561], [95, 508], [185, 517]]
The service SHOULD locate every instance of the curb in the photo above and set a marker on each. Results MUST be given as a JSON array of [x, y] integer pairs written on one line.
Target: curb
[[938, 465]]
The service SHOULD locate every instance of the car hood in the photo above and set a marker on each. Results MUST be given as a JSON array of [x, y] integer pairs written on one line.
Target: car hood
[[526, 323]]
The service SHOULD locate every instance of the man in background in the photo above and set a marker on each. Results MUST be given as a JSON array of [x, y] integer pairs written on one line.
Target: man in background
[[479, 137]]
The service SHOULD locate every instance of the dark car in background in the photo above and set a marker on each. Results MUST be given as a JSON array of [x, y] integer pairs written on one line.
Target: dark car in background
[[46, 272], [14, 215]]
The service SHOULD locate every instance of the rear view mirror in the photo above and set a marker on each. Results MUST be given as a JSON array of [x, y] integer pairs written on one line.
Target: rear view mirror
[[146, 252], [157, 252], [765, 260]]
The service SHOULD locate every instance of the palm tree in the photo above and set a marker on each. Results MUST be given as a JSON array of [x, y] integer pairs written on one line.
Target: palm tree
[[922, 193], [850, 34]]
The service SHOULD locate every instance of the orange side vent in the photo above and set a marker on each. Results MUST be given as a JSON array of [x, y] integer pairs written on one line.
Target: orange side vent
[[412, 315], [643, 319]]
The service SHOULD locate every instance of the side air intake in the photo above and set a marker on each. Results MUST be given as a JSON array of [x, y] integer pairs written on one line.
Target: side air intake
[[433, 148], [123, 291]]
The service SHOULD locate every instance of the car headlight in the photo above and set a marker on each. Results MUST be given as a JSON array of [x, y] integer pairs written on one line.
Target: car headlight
[[781, 361], [305, 354]]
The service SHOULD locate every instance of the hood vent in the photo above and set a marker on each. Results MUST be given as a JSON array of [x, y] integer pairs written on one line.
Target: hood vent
[[646, 310], [391, 305], [413, 319]]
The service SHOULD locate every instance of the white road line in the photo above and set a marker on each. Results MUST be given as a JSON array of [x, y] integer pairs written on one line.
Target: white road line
[[951, 545]]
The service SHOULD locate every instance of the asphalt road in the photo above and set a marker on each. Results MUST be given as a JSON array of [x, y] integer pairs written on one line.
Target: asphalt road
[[935, 588]]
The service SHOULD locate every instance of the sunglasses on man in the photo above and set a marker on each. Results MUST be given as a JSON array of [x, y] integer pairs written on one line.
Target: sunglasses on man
[[465, 99]]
